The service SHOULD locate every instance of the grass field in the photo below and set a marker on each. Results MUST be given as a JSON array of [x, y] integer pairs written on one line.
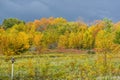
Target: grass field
[[61, 66]]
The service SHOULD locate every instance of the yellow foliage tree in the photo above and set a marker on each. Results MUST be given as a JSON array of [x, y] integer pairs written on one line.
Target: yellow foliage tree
[[63, 40], [88, 40], [104, 41], [37, 38]]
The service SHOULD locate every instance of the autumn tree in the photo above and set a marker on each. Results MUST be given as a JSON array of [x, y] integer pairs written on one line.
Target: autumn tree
[[50, 39]]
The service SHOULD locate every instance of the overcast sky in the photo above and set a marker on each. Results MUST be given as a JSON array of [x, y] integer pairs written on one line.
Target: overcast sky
[[86, 10]]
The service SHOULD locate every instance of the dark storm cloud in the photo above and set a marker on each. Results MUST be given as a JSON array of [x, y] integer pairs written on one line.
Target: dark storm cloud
[[87, 10]]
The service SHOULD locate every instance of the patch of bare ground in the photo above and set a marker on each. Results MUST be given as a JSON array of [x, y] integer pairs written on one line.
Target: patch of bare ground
[[65, 51]]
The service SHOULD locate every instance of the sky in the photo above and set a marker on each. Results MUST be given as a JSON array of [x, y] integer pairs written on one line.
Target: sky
[[72, 10]]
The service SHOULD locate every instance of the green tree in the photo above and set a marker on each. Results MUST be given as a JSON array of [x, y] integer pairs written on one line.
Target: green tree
[[117, 37], [108, 24], [8, 23]]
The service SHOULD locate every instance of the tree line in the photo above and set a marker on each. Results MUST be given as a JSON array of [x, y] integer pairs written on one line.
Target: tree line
[[18, 36]]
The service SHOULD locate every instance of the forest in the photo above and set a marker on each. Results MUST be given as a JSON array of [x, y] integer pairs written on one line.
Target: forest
[[18, 36]]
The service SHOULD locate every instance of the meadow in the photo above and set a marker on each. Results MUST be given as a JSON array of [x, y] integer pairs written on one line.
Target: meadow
[[57, 49], [59, 66]]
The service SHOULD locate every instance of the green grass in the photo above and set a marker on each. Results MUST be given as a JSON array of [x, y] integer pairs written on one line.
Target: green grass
[[56, 66]]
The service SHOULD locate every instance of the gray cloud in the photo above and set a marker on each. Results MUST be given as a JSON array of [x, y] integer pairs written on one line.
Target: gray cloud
[[87, 10]]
